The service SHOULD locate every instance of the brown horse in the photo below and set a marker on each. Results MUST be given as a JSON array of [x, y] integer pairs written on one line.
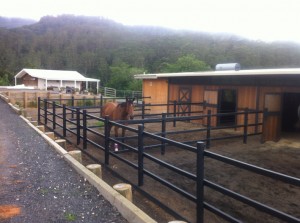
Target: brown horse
[[116, 111]]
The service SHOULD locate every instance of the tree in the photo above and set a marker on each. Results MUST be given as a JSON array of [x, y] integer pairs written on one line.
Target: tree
[[122, 77], [4, 80], [186, 63]]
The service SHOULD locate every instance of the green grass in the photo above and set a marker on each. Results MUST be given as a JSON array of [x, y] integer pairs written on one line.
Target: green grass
[[70, 217], [100, 124]]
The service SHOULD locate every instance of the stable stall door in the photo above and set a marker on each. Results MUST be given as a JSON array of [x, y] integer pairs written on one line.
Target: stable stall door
[[272, 123]]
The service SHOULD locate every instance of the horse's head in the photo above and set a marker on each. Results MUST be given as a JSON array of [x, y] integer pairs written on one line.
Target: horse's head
[[128, 108]]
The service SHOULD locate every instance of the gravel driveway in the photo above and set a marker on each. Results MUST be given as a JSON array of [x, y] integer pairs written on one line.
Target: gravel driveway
[[37, 185]]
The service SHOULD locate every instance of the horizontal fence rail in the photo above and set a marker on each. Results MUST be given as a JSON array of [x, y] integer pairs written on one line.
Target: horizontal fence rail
[[71, 121]]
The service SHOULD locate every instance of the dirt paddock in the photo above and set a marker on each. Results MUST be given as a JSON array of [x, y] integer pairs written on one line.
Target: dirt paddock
[[282, 157]]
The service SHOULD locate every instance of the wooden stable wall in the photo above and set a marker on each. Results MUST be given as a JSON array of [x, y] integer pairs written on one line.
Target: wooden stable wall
[[251, 97], [158, 90]]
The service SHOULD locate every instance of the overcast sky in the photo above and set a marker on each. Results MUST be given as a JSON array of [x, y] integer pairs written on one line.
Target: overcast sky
[[254, 19]]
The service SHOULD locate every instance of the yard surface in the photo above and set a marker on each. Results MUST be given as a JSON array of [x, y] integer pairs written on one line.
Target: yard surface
[[282, 157]]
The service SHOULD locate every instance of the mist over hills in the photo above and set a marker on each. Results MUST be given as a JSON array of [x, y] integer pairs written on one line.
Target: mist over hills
[[14, 22], [92, 45]]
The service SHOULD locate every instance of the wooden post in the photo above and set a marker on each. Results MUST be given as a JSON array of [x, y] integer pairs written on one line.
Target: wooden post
[[125, 190], [50, 135], [36, 97], [76, 154], [25, 99], [62, 143], [96, 169], [35, 123], [41, 127]]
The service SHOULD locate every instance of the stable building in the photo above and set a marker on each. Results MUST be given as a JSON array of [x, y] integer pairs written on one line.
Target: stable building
[[46, 79], [277, 90]]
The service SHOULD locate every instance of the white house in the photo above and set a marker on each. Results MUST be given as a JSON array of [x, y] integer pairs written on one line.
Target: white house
[[43, 79]]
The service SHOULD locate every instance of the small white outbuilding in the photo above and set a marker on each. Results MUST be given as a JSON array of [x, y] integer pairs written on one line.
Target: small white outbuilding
[[44, 79]]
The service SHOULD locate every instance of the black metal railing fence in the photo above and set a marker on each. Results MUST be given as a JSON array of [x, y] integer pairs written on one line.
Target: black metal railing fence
[[75, 121]]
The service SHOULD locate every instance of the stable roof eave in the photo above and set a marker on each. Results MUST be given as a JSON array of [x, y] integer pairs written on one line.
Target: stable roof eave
[[255, 72]]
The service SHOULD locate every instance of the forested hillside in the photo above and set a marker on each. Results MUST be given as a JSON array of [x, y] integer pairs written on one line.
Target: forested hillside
[[101, 48]]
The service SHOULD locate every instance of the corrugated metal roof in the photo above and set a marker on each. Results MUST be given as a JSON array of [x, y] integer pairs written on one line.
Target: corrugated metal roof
[[258, 72], [64, 75]]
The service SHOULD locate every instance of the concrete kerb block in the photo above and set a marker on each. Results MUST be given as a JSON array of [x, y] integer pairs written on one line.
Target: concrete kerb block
[[29, 118], [50, 135], [15, 108]]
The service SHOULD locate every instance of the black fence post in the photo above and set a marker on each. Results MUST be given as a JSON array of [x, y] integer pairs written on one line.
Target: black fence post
[[106, 137], [208, 129], [101, 104], [245, 125], [78, 127], [265, 118], [140, 155], [174, 113], [143, 110], [45, 111], [84, 128], [39, 110], [64, 120], [256, 121], [204, 105], [163, 133], [200, 182], [53, 114], [72, 104]]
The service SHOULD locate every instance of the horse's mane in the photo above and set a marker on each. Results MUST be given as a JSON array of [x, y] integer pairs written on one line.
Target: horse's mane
[[124, 104]]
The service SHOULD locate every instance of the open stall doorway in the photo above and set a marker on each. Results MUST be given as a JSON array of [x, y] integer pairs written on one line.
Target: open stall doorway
[[227, 104]]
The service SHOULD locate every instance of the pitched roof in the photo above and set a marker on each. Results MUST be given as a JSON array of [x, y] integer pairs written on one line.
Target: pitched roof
[[258, 72], [64, 75]]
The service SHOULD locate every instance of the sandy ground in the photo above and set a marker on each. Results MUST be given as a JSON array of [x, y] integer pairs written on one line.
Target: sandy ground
[[282, 157]]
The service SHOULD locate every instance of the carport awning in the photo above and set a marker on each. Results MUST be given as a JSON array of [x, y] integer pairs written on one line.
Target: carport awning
[[63, 75], [58, 75]]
